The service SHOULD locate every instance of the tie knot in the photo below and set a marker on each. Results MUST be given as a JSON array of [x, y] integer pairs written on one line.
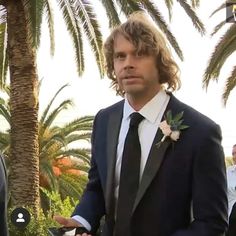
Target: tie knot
[[135, 119]]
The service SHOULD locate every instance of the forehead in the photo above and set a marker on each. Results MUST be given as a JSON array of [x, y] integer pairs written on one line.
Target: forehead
[[121, 43]]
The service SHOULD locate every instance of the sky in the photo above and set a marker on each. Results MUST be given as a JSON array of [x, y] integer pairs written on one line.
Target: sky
[[90, 93]]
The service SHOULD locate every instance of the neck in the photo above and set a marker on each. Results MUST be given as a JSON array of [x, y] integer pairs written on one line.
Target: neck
[[136, 105], [138, 102]]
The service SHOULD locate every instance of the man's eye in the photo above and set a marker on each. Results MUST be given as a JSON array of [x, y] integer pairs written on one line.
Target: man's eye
[[139, 54], [119, 56]]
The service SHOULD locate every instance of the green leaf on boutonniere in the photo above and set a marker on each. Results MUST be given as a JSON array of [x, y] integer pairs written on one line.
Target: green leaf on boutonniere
[[172, 126]]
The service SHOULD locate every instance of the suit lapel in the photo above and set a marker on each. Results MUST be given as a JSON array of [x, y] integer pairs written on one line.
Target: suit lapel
[[113, 129], [155, 157], [153, 164]]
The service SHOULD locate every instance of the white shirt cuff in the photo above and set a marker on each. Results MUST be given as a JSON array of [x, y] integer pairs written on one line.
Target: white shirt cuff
[[82, 221]]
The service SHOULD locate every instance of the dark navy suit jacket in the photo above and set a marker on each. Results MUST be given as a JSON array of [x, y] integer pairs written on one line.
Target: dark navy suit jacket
[[3, 199], [183, 188]]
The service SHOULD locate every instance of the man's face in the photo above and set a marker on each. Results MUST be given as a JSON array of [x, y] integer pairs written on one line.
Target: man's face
[[234, 154], [136, 73]]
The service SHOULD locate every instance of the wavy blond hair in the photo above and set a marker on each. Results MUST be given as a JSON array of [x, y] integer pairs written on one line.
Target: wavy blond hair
[[143, 34]]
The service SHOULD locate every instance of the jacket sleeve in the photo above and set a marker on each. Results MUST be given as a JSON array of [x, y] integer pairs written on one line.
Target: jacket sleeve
[[209, 188], [92, 205]]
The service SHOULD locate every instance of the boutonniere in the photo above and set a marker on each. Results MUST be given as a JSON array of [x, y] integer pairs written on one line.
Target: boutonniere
[[172, 126]]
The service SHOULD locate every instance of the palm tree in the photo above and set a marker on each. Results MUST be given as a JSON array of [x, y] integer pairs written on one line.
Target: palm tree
[[223, 50], [63, 168], [20, 30], [20, 37]]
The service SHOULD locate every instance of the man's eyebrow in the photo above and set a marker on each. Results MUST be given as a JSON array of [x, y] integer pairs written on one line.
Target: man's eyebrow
[[119, 53]]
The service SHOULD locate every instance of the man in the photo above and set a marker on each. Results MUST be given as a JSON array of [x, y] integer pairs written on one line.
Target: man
[[231, 178], [3, 199], [182, 181]]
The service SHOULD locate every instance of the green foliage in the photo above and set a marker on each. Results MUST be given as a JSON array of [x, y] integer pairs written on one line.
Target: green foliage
[[176, 121], [34, 228], [38, 226], [55, 144], [225, 47], [57, 205]]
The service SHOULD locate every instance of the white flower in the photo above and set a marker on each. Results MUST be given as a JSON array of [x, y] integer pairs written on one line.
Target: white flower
[[171, 127], [165, 128], [175, 135]]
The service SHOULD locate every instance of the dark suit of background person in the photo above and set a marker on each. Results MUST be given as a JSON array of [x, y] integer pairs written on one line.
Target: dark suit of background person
[[3, 198], [232, 222], [182, 191]]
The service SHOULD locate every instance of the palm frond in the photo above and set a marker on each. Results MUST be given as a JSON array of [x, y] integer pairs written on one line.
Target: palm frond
[[47, 119], [81, 154], [218, 27], [50, 21], [53, 115], [222, 51], [3, 14], [3, 53], [72, 185], [88, 119], [78, 137], [169, 5], [111, 12], [222, 6], [159, 19], [45, 113], [191, 13], [34, 15], [128, 6], [134, 5], [5, 113], [4, 143], [195, 3], [80, 124], [86, 15], [47, 172], [229, 85], [82, 167], [54, 142], [74, 29]]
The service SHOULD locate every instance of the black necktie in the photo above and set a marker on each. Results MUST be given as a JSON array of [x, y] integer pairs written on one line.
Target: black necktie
[[129, 177]]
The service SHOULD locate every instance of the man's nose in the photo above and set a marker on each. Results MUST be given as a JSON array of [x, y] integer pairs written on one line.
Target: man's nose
[[129, 62]]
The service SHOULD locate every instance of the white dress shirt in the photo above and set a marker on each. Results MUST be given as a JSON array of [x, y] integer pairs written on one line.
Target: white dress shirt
[[152, 113], [231, 180]]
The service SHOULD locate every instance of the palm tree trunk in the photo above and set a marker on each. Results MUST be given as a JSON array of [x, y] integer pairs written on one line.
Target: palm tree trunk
[[24, 151]]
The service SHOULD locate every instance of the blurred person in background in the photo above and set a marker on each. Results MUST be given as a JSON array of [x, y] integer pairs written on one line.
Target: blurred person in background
[[231, 178]]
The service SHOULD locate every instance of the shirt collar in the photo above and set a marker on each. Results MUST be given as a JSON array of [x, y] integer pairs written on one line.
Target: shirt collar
[[151, 109]]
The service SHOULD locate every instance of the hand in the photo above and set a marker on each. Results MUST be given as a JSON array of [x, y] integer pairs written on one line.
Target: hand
[[69, 222], [80, 232]]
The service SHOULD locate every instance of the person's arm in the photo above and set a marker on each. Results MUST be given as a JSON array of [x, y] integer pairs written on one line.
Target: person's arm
[[209, 188], [91, 207]]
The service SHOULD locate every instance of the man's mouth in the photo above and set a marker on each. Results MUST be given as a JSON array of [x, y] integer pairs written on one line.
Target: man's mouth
[[131, 77]]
